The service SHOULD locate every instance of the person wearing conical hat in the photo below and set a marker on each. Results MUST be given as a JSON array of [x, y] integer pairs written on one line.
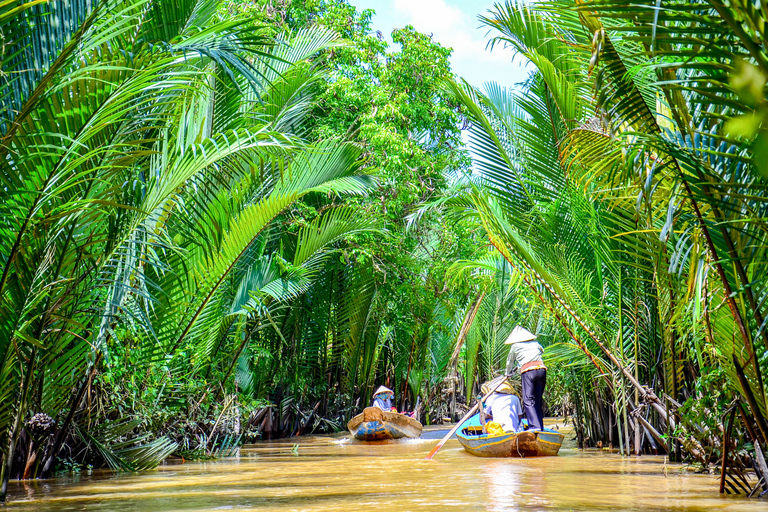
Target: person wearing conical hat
[[503, 405], [525, 356], [382, 398]]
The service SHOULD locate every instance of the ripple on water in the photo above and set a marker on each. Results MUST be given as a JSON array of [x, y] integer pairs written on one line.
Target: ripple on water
[[333, 473]]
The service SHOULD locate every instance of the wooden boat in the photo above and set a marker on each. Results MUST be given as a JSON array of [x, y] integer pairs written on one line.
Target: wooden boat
[[373, 424], [529, 443]]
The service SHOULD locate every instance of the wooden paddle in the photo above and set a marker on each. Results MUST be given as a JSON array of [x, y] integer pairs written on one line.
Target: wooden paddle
[[470, 413]]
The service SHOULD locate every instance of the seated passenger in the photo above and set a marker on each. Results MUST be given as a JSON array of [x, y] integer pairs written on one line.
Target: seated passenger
[[504, 406], [382, 399]]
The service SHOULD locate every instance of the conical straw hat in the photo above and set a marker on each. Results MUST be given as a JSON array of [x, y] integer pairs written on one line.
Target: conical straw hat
[[383, 389], [519, 335], [506, 388]]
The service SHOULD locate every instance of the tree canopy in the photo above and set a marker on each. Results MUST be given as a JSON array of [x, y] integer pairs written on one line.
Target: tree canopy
[[228, 220]]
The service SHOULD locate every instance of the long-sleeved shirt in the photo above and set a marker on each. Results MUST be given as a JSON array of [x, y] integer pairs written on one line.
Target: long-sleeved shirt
[[506, 410], [385, 404], [522, 353]]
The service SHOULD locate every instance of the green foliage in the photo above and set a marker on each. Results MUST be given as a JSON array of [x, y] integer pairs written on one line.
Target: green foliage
[[148, 167], [619, 182], [708, 404], [227, 219], [193, 234]]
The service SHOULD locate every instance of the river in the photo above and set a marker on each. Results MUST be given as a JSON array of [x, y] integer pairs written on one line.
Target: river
[[333, 473]]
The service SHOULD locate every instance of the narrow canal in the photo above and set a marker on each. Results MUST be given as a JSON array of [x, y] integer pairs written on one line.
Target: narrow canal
[[332, 473]]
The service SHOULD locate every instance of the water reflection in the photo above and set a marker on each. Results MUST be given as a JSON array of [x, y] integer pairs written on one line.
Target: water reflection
[[333, 473], [503, 484]]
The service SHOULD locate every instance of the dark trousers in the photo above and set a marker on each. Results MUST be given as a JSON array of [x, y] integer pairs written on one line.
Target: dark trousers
[[533, 390]]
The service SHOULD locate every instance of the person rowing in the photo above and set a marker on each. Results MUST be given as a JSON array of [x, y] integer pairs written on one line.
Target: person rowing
[[382, 398], [525, 356]]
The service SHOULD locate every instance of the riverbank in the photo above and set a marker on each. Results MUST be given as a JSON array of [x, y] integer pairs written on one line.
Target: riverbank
[[330, 473]]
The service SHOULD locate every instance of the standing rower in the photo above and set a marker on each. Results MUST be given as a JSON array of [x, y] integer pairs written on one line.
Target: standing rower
[[525, 356]]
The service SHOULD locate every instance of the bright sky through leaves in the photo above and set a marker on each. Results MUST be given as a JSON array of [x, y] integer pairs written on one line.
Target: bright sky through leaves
[[454, 24]]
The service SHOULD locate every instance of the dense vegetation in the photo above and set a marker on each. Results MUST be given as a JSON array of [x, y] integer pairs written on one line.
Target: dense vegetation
[[225, 220], [625, 184]]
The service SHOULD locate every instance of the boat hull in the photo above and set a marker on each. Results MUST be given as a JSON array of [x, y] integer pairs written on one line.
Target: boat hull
[[373, 424], [529, 443]]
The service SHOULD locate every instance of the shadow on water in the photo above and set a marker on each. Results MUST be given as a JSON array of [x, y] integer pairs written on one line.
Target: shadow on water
[[333, 473]]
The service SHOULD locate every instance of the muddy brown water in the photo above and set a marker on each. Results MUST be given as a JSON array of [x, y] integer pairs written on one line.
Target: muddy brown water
[[333, 473]]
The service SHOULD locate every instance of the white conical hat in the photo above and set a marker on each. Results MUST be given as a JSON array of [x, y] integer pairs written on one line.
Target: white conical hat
[[383, 389], [507, 388], [519, 335]]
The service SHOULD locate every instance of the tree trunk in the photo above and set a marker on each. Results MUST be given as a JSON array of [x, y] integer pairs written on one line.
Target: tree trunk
[[61, 432], [17, 422]]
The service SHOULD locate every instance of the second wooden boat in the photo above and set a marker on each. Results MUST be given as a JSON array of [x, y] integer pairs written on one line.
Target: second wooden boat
[[529, 443], [373, 424]]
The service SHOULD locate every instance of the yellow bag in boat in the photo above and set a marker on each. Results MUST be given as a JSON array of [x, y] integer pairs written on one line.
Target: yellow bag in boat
[[494, 428]]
